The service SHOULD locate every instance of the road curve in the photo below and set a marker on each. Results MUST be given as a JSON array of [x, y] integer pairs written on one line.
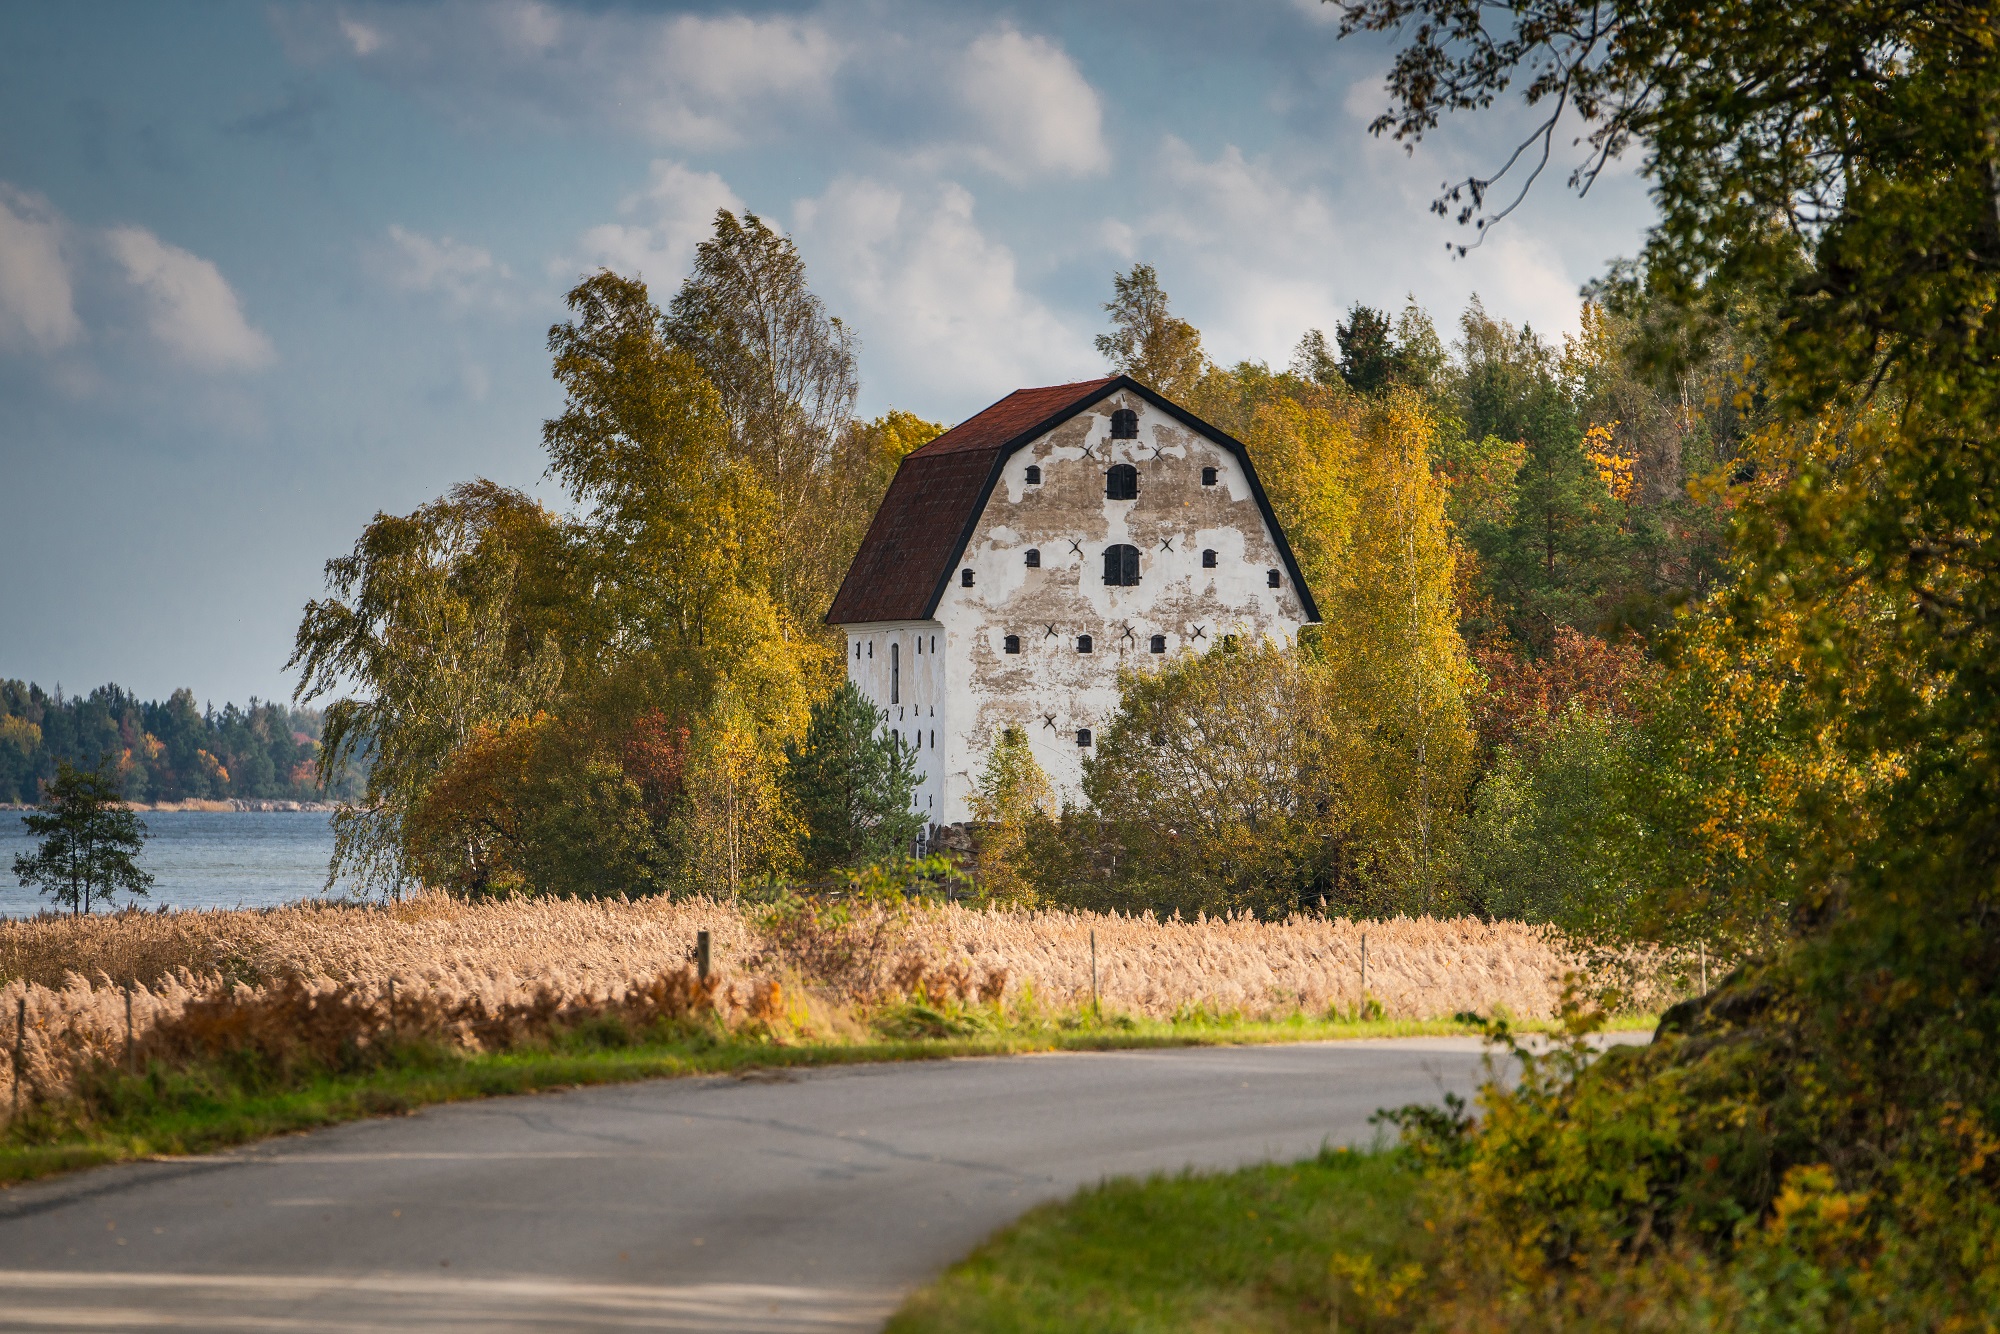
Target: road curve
[[799, 1201]]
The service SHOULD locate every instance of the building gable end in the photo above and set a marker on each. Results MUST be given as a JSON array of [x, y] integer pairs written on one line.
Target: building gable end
[[953, 467]]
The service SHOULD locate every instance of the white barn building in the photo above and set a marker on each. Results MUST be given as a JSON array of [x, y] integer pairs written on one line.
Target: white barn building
[[1024, 556]]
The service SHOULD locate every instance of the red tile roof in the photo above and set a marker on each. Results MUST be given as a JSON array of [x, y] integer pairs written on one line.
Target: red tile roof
[[941, 489], [928, 515], [1022, 410]]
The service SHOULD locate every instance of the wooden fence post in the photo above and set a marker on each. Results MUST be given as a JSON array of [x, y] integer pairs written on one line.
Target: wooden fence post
[[20, 1054], [1095, 1012], [130, 1049], [1362, 1005], [392, 1009], [702, 954]]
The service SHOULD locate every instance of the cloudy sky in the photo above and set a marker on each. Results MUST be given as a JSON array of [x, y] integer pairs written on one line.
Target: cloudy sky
[[266, 269]]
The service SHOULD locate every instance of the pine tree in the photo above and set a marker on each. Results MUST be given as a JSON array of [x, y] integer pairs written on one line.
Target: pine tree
[[89, 842], [850, 784], [1368, 360], [1561, 551]]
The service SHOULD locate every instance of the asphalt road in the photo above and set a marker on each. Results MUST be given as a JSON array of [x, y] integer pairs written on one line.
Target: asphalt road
[[804, 1201]]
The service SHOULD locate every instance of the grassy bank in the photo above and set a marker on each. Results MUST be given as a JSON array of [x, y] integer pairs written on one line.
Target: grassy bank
[[1240, 1251], [213, 1104]]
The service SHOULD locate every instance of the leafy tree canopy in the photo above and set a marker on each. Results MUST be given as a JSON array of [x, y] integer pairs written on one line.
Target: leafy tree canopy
[[784, 373], [1147, 341], [1825, 175]]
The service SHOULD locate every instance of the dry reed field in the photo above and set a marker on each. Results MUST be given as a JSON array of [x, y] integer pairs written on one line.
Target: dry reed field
[[307, 978], [1418, 968]]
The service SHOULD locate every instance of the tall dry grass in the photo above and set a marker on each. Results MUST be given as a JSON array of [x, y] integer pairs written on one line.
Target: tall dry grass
[[1418, 968], [484, 976]]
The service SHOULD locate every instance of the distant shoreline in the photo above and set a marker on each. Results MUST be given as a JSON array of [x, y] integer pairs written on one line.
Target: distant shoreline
[[231, 806]]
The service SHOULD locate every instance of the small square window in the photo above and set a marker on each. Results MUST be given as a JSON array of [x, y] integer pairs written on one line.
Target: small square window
[[1159, 644], [1271, 577], [1124, 424], [965, 578], [1034, 559], [1013, 643], [1034, 475], [1083, 736], [1208, 477], [1083, 643], [1208, 559]]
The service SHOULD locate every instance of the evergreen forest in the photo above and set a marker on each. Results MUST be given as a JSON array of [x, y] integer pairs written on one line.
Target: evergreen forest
[[162, 750]]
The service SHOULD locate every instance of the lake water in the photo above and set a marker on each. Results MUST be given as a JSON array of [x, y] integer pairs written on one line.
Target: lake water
[[203, 859]]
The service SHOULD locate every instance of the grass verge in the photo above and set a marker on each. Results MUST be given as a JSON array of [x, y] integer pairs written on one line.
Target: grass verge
[[1239, 1251], [169, 1112]]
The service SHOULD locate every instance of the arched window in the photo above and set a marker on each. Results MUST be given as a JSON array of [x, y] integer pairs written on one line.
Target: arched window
[[1013, 643], [1271, 578], [1121, 482], [1208, 558], [1208, 477], [1083, 643], [1034, 559], [965, 578], [1121, 565], [895, 673], [1083, 736], [1124, 424], [1034, 475], [1159, 644]]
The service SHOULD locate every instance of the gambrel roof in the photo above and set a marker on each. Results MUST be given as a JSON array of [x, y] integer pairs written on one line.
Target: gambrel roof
[[934, 503]]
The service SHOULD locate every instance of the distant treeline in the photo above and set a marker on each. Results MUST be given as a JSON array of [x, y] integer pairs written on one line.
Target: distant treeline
[[167, 750]]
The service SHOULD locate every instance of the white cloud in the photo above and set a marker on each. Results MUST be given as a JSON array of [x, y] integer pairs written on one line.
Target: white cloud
[[464, 275], [364, 40], [190, 307], [37, 303], [1526, 278], [690, 80], [1271, 250], [669, 218], [937, 303], [965, 90], [1256, 252], [1036, 114]]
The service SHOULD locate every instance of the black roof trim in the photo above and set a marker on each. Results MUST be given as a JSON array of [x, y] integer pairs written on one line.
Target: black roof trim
[[1172, 409]]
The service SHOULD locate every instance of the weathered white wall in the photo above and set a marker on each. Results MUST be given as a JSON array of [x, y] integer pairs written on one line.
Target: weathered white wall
[[972, 689], [914, 697]]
